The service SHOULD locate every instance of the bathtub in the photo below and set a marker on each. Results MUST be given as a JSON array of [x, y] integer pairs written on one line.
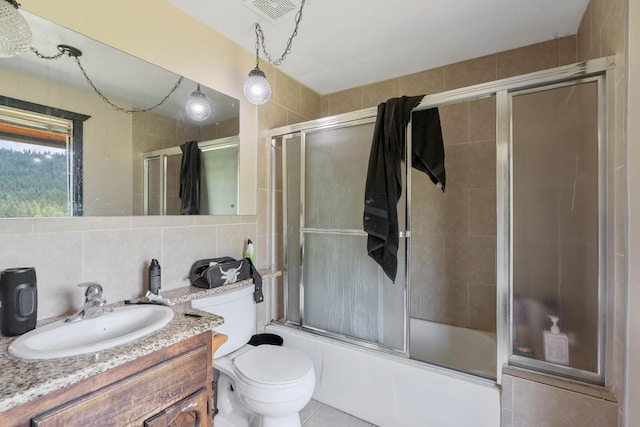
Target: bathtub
[[393, 391], [458, 348]]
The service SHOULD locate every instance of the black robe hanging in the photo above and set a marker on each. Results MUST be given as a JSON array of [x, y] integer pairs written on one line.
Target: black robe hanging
[[190, 179]]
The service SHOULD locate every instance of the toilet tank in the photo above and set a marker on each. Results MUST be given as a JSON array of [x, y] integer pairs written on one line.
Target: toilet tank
[[237, 308]]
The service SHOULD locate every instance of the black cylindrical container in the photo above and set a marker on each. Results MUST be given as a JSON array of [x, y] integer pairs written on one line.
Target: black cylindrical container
[[154, 277], [18, 300]]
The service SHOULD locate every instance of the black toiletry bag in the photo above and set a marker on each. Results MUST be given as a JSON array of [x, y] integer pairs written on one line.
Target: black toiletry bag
[[213, 272]]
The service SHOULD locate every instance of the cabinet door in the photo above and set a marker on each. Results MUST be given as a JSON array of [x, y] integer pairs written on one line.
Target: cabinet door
[[131, 399], [190, 412]]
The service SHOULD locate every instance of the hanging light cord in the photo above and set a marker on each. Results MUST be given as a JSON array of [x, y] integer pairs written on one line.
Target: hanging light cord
[[260, 40], [75, 53]]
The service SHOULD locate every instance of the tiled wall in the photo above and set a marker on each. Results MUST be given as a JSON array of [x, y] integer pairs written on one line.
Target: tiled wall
[[453, 234], [527, 403], [115, 252], [484, 69]]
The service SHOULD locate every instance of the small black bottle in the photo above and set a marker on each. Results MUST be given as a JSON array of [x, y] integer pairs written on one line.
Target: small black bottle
[[154, 277]]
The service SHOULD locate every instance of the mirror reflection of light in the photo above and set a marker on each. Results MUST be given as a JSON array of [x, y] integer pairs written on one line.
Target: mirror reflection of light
[[198, 107], [37, 160]]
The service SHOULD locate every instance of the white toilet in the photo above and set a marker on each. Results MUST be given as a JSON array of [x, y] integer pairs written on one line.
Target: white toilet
[[263, 386]]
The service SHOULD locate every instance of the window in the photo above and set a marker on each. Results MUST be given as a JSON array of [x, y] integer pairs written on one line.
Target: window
[[40, 160]]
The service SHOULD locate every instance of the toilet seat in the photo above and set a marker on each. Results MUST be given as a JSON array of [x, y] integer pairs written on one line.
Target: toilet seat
[[269, 374], [269, 366]]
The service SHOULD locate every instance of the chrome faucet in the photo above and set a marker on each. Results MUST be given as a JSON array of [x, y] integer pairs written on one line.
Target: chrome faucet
[[93, 302]]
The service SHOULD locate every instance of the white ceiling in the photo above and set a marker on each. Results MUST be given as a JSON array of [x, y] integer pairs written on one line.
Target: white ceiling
[[347, 43]]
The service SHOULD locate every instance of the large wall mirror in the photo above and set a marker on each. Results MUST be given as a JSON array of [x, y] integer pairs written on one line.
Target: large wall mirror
[[65, 151]]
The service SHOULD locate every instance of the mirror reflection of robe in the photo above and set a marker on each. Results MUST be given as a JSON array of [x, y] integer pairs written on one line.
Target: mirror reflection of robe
[[190, 179]]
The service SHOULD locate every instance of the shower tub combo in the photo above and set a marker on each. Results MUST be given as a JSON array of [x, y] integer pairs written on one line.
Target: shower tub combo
[[392, 391], [464, 255]]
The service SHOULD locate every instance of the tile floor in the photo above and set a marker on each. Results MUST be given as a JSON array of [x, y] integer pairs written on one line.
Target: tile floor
[[316, 414]]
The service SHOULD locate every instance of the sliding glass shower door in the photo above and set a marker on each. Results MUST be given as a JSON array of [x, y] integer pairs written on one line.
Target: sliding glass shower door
[[334, 287]]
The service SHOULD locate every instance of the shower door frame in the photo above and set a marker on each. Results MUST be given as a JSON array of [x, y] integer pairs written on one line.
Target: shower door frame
[[355, 118], [501, 89]]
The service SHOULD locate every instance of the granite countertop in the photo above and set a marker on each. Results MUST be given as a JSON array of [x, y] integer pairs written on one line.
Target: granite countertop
[[26, 380]]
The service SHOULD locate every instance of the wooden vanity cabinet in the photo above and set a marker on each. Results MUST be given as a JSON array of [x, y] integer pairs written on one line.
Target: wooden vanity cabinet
[[171, 386]]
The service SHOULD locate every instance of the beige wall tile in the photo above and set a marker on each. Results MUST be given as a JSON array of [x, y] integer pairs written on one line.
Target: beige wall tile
[[285, 91], [619, 126], [344, 101], [271, 115], [454, 120], [464, 158], [231, 239], [584, 35], [58, 267], [17, 225], [536, 405], [470, 72], [219, 219], [567, 50], [263, 203], [471, 259], [482, 212], [264, 164], [324, 107], [423, 83], [427, 264], [310, 104], [620, 210], [528, 59], [118, 259], [482, 119], [84, 223], [440, 214], [506, 395], [374, 94], [600, 10], [482, 307], [445, 302], [177, 257], [613, 33], [293, 118]]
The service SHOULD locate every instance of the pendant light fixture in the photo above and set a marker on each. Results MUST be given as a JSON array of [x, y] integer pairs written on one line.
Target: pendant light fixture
[[198, 106], [256, 88], [15, 34]]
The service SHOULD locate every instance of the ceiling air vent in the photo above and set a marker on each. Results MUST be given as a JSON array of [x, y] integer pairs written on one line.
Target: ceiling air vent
[[272, 9]]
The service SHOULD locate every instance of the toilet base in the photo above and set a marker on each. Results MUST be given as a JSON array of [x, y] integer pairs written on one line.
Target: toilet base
[[228, 420], [292, 420], [232, 412]]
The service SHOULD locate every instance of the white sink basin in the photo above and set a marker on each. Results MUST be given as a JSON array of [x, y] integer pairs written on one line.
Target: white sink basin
[[63, 339]]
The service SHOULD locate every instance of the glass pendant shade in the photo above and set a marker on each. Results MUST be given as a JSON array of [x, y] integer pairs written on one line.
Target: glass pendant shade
[[256, 88], [15, 34], [198, 107]]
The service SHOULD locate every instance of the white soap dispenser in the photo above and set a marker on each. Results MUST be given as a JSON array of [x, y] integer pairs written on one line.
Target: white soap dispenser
[[556, 344]]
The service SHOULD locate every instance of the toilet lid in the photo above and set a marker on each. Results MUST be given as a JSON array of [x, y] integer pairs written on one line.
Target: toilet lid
[[270, 364]]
